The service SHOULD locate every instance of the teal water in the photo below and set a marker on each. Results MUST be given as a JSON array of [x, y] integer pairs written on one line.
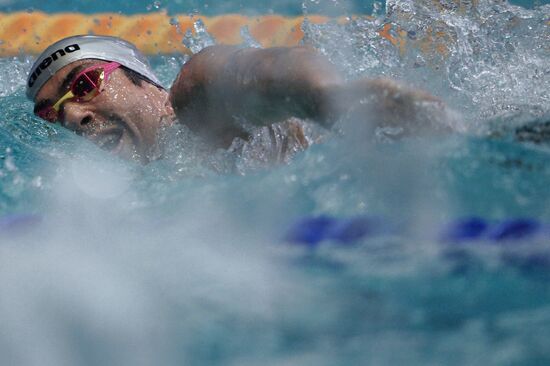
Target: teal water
[[183, 261], [286, 7]]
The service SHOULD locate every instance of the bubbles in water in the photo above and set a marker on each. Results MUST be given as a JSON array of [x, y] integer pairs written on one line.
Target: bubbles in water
[[155, 5], [162, 264], [13, 181], [248, 39], [187, 155], [199, 39], [14, 74], [275, 144], [167, 67], [9, 164], [485, 58], [376, 8], [355, 47], [175, 22]]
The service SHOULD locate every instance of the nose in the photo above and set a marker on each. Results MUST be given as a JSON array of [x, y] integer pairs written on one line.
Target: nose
[[76, 117]]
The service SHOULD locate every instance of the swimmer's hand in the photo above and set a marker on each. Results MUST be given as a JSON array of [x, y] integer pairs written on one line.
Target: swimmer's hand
[[384, 103]]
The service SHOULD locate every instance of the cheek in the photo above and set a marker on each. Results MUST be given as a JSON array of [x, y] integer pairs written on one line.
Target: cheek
[[120, 89], [140, 106], [123, 102], [134, 105], [124, 94], [140, 113]]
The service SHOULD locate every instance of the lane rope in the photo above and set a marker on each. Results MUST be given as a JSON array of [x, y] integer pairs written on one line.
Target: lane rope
[[153, 33], [311, 231], [158, 33]]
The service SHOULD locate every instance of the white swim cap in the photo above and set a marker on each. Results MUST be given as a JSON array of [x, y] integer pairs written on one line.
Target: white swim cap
[[75, 48]]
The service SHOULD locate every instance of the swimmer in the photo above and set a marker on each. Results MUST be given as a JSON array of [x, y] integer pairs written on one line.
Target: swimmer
[[104, 89]]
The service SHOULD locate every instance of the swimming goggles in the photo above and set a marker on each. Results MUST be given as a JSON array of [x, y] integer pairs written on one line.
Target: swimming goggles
[[87, 85]]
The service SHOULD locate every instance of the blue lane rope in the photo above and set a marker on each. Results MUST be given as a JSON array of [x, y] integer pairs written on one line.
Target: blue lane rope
[[17, 223], [479, 229], [311, 231]]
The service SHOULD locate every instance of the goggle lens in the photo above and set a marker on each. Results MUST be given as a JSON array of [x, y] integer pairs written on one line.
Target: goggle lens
[[88, 83], [86, 86]]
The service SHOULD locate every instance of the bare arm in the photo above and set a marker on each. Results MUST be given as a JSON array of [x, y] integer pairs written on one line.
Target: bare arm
[[262, 85], [271, 85]]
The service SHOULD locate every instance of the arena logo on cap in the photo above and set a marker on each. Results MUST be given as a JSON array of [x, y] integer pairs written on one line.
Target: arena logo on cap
[[48, 60]]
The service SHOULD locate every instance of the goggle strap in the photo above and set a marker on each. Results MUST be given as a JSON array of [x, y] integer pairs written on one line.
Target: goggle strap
[[62, 99], [105, 71]]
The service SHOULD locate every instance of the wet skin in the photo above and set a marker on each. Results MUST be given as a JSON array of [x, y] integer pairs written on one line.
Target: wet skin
[[124, 118], [221, 83], [271, 85]]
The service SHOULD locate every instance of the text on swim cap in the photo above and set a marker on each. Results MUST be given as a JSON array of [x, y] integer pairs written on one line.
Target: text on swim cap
[[48, 61]]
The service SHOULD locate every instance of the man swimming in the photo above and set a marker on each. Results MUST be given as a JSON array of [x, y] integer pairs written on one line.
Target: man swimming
[[104, 89]]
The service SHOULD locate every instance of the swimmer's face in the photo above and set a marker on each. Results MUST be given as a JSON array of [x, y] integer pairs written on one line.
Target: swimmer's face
[[124, 118]]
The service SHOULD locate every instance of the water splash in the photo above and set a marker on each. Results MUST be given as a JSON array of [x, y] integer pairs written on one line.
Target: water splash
[[491, 59], [248, 39], [174, 264], [199, 39], [18, 68]]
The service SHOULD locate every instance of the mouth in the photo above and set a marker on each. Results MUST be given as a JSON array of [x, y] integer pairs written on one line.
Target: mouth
[[116, 136], [111, 140]]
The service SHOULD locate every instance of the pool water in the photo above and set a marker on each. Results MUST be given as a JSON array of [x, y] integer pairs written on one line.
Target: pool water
[[286, 7], [184, 260]]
